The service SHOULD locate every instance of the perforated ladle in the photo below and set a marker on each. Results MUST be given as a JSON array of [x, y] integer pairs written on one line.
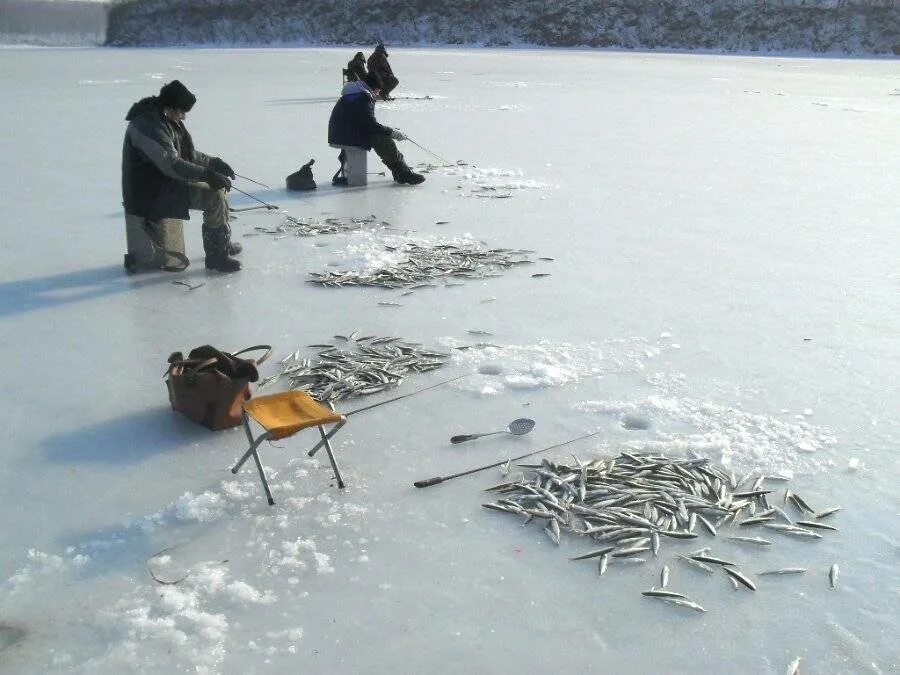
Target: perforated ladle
[[517, 427]]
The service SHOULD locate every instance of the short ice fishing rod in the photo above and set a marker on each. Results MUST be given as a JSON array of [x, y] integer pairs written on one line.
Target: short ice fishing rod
[[440, 479], [269, 206]]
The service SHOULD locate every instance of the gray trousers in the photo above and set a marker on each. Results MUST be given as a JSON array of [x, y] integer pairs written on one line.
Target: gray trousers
[[385, 147], [213, 203]]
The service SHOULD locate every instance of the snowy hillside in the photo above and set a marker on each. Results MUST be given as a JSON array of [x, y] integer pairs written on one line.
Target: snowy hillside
[[849, 26]]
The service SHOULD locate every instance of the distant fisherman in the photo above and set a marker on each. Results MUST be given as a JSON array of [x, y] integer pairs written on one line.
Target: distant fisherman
[[353, 123], [356, 68], [163, 175], [378, 64]]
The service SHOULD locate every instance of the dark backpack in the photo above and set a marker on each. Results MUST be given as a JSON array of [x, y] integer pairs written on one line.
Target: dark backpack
[[302, 179]]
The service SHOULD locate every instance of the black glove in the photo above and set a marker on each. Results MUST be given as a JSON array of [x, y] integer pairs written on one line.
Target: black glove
[[216, 181], [221, 166]]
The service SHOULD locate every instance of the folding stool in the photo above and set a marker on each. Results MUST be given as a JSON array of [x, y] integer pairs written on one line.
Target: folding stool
[[283, 415]]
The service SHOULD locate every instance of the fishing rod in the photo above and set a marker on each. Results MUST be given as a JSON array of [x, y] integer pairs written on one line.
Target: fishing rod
[[445, 161], [318, 445], [247, 208], [397, 398], [253, 181], [266, 204], [440, 479]]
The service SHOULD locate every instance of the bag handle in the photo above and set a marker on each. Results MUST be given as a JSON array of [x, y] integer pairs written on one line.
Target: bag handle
[[176, 366], [268, 353]]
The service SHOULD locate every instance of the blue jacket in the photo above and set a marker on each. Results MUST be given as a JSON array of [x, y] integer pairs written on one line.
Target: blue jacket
[[352, 119]]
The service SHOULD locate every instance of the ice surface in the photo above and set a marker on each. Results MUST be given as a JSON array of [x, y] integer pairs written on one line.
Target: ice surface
[[724, 267]]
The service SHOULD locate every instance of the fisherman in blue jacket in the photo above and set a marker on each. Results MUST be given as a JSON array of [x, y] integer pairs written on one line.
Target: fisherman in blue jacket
[[353, 123]]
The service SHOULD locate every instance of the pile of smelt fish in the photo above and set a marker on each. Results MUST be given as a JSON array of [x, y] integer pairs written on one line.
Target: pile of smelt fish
[[630, 504], [374, 365], [311, 227], [426, 263]]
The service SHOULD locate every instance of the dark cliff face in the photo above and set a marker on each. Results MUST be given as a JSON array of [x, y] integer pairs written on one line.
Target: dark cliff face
[[832, 26]]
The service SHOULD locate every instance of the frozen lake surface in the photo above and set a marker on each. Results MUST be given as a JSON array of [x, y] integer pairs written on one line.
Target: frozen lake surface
[[725, 266]]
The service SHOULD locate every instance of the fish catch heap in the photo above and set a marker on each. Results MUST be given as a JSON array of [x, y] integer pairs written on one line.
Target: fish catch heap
[[425, 263], [377, 364], [310, 227], [631, 502]]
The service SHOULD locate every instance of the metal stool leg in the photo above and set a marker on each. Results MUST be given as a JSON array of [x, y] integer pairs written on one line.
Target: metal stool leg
[[262, 475], [334, 466], [254, 444], [331, 433]]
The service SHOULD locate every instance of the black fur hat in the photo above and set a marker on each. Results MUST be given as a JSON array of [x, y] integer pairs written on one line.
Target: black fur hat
[[176, 95]]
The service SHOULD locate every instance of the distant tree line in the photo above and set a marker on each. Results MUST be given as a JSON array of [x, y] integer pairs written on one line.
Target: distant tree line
[[849, 26]]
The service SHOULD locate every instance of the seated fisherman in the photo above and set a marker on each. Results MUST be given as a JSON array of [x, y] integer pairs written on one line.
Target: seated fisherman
[[356, 67], [378, 64], [353, 122], [163, 175]]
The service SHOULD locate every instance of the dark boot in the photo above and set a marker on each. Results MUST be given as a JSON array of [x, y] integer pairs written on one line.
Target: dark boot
[[339, 179], [216, 243], [406, 176]]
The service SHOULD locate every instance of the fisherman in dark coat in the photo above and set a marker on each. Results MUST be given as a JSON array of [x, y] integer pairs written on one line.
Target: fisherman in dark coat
[[353, 122], [163, 175], [356, 67], [378, 64]]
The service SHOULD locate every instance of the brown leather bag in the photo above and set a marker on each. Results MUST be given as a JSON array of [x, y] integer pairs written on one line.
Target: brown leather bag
[[210, 386]]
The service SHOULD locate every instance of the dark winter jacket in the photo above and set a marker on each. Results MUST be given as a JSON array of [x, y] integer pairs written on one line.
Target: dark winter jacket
[[379, 65], [158, 163], [352, 119], [356, 68]]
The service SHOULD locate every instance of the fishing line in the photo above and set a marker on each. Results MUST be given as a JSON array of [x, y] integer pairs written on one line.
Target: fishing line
[[253, 181], [267, 204], [445, 161]]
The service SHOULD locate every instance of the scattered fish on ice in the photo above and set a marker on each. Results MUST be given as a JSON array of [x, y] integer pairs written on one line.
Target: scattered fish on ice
[[625, 503], [376, 364]]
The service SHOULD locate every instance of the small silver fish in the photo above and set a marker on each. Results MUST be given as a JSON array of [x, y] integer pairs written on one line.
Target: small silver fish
[[655, 593], [626, 552], [751, 540], [594, 554], [710, 559], [783, 570], [736, 575], [696, 563], [794, 668], [604, 562], [827, 512], [552, 530], [664, 577], [833, 576], [708, 525], [684, 603], [816, 525]]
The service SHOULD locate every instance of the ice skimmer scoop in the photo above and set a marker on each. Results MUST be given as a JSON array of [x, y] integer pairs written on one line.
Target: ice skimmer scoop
[[517, 427]]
